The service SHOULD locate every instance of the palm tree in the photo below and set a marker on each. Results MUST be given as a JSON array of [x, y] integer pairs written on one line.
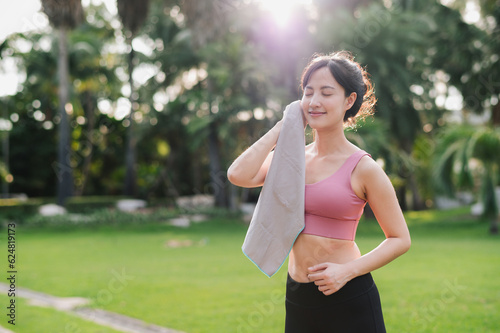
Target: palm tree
[[64, 16], [206, 21], [132, 14], [86, 55], [457, 148], [459, 47]]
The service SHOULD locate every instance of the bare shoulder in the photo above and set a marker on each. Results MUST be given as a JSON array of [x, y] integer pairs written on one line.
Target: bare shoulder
[[369, 177], [368, 167]]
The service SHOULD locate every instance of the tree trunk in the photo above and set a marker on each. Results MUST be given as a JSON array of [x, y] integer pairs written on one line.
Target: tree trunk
[[217, 175], [88, 105], [130, 158], [494, 225], [5, 149], [417, 202], [63, 168], [233, 198], [495, 117], [401, 194], [196, 173]]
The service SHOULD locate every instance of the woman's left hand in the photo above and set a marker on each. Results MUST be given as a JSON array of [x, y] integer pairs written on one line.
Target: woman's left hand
[[329, 277]]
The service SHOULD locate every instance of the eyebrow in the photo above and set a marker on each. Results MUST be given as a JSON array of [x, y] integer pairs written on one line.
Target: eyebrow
[[323, 87]]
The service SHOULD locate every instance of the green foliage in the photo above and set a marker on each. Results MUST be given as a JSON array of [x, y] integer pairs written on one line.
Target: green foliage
[[36, 149], [89, 215], [23, 210], [457, 148], [453, 152], [468, 54], [486, 143], [36, 106], [18, 209], [422, 157]]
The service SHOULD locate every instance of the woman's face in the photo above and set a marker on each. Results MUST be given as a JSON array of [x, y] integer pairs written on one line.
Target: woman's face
[[324, 103]]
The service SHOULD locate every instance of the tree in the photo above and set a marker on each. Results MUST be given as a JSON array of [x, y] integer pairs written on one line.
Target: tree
[[457, 149], [468, 53], [169, 167], [31, 108], [64, 16], [93, 69], [132, 14], [208, 22], [235, 82]]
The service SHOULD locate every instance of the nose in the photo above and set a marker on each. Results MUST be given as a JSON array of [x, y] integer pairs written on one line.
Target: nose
[[314, 102]]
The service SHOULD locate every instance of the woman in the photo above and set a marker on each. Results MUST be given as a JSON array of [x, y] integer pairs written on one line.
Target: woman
[[329, 286]]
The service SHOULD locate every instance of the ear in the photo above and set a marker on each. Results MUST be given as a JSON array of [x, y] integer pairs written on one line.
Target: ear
[[350, 100]]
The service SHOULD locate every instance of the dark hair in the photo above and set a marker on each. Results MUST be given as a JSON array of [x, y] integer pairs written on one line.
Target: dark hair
[[351, 76]]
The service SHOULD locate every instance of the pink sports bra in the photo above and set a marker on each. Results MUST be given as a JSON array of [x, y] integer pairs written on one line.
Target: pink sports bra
[[332, 209]]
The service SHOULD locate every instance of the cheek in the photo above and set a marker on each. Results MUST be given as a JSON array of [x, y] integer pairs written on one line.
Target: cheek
[[305, 101]]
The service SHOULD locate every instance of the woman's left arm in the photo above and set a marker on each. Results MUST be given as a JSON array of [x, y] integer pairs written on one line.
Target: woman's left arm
[[382, 199], [381, 196]]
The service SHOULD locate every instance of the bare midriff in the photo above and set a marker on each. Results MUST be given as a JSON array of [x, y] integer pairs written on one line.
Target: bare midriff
[[310, 250]]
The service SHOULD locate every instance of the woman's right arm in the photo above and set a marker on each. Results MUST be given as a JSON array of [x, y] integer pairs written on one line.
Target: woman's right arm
[[250, 168]]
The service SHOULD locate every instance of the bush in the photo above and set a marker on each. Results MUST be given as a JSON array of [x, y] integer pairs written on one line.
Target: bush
[[18, 208], [98, 217], [91, 203]]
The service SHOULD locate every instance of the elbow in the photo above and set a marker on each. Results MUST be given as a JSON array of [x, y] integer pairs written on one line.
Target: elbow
[[240, 179], [401, 244], [234, 177], [405, 244], [231, 176]]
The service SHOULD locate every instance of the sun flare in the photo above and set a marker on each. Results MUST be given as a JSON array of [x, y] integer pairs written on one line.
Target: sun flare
[[281, 9]]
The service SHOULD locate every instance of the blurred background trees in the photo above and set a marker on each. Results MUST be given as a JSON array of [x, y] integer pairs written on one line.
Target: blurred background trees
[[63, 16], [132, 15], [174, 95]]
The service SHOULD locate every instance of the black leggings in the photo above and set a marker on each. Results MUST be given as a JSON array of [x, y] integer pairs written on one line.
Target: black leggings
[[355, 308]]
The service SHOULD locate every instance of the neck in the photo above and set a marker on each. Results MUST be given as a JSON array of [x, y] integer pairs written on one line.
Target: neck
[[330, 142]]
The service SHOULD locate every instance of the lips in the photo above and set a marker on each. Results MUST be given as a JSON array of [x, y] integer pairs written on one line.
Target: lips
[[316, 113]]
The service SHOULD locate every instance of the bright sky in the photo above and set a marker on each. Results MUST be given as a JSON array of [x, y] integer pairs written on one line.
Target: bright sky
[[16, 17], [281, 9], [23, 16], [19, 16]]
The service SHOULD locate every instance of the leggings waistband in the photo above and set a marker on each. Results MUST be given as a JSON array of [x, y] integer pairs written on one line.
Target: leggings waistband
[[308, 295]]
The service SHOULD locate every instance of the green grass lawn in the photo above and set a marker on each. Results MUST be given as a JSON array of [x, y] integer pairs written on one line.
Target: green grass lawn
[[447, 282]]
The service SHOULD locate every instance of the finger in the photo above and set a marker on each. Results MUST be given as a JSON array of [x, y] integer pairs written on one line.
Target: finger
[[319, 283], [318, 267], [318, 277], [328, 292]]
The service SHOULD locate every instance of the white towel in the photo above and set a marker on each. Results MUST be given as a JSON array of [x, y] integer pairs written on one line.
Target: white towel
[[278, 218]]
